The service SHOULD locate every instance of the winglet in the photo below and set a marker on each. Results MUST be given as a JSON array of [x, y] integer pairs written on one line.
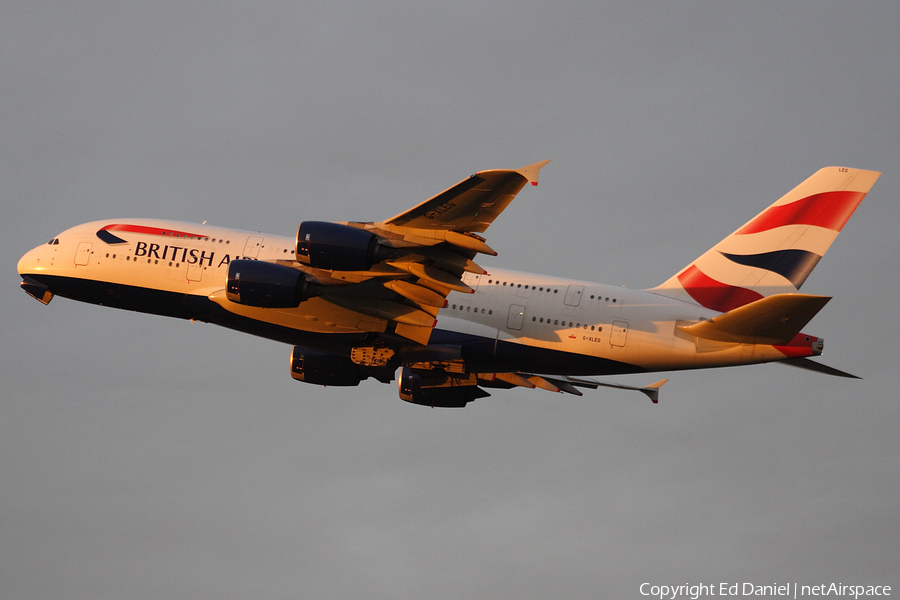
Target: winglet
[[531, 171], [652, 390]]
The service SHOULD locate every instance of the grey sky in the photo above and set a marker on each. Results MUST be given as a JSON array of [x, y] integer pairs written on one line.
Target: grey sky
[[144, 457]]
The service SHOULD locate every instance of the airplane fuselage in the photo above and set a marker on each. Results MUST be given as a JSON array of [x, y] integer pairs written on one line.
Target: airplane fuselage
[[512, 322]]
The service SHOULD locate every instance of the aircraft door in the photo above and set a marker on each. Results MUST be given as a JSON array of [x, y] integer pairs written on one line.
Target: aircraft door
[[83, 254], [619, 333], [471, 279], [573, 295], [194, 271], [251, 248], [516, 317]]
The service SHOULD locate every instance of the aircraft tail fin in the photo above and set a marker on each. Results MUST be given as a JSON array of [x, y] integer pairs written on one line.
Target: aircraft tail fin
[[775, 251]]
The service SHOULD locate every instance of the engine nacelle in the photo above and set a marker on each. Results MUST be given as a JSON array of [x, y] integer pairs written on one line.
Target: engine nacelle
[[338, 247], [322, 368], [265, 285], [438, 392]]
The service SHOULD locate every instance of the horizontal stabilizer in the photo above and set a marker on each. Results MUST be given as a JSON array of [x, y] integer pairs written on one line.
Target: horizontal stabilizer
[[811, 365], [773, 320]]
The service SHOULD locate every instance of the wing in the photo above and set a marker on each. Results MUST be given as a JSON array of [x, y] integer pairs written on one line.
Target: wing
[[419, 256], [563, 383], [471, 205], [451, 388]]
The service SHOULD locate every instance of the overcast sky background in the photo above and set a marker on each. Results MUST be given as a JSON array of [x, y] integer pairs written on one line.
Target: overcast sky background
[[145, 457]]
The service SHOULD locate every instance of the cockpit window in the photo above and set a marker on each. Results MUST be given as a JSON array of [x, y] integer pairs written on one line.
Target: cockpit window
[[53, 242]]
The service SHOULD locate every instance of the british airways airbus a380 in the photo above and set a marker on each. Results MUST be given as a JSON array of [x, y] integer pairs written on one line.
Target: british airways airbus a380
[[359, 300]]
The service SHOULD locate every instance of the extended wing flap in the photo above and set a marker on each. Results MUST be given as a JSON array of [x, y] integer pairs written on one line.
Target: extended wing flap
[[569, 385], [773, 320], [416, 293], [389, 310], [418, 334]]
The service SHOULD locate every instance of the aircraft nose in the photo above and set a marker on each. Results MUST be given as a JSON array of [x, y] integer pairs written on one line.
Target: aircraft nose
[[30, 263], [30, 266]]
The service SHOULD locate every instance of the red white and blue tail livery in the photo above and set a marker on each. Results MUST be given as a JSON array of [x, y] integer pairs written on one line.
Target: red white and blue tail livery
[[775, 251], [366, 299]]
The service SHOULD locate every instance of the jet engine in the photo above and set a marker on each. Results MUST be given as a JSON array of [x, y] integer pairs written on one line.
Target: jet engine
[[322, 368], [338, 247], [265, 285], [439, 391]]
